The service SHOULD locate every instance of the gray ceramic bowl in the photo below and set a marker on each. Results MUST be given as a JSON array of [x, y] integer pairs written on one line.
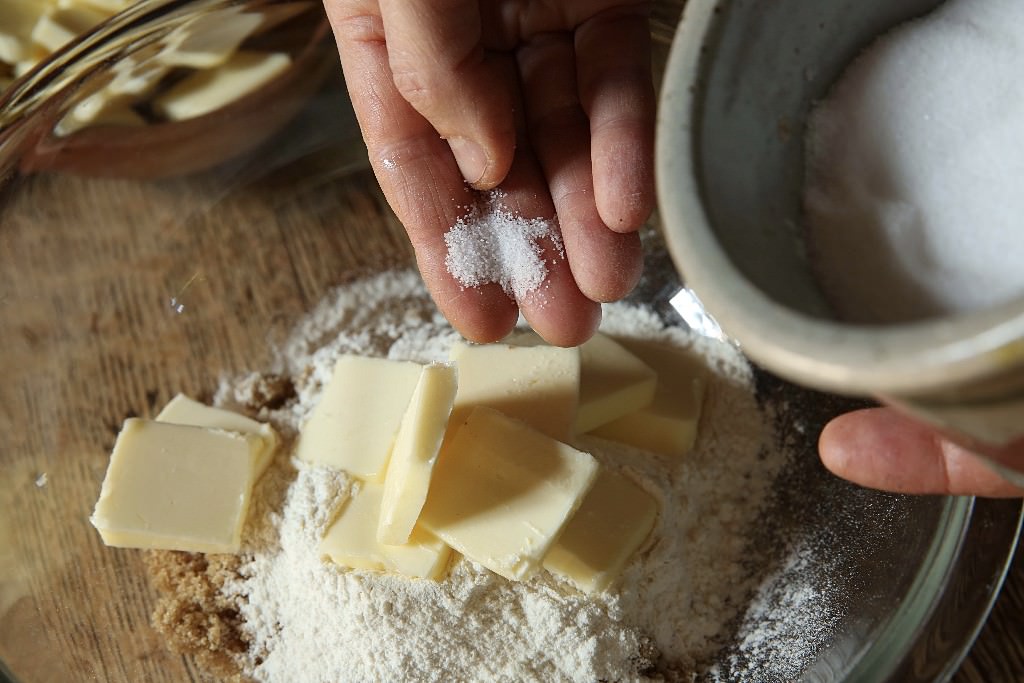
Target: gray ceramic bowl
[[741, 79]]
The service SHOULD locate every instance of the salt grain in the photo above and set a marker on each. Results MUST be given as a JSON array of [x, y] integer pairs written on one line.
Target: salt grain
[[915, 160], [492, 245]]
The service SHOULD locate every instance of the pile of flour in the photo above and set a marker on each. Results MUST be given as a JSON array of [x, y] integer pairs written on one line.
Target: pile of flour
[[677, 604]]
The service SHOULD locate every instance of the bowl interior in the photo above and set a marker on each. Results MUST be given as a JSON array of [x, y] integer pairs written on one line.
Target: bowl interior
[[741, 80], [772, 61]]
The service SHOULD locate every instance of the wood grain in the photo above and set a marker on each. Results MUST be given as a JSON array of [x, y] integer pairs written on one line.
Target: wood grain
[[87, 271]]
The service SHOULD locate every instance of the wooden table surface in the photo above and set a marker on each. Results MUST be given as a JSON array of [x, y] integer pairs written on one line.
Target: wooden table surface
[[87, 271], [998, 654]]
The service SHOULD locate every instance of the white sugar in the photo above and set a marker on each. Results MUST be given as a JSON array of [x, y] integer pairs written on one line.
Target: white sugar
[[915, 181], [491, 244]]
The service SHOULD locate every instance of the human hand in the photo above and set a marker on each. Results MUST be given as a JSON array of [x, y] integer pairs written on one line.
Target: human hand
[[551, 102], [883, 449]]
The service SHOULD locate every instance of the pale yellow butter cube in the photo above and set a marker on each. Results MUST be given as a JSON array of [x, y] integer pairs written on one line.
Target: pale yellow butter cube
[[502, 492], [538, 385], [415, 452], [31, 58], [208, 40], [351, 541], [10, 48], [669, 424], [108, 6], [177, 487], [17, 19], [100, 109], [136, 75], [183, 410], [209, 90], [134, 78], [613, 383], [354, 425], [60, 25], [613, 521], [50, 34]]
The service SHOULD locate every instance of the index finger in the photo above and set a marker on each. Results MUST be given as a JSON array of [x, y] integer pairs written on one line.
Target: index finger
[[416, 171]]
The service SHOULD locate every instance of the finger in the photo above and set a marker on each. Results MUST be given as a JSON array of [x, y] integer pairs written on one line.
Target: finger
[[883, 449], [439, 66], [617, 93], [606, 265], [557, 310], [416, 172]]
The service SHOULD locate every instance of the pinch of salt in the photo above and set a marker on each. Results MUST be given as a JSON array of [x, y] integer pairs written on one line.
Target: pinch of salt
[[490, 244]]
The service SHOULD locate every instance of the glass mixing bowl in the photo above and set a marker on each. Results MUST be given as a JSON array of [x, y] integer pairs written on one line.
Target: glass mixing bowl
[[138, 261]]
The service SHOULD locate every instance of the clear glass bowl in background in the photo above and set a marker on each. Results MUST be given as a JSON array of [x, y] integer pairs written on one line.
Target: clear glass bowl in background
[[136, 263]]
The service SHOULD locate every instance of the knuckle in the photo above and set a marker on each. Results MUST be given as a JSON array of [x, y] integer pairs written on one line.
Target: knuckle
[[358, 27], [413, 85], [427, 78]]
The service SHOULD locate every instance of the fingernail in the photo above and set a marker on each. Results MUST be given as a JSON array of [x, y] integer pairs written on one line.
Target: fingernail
[[470, 157]]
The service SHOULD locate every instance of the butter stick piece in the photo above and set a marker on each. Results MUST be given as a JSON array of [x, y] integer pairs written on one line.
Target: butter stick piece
[[613, 521], [613, 383], [136, 75], [668, 425], [185, 411], [538, 385], [31, 59], [351, 541], [502, 492], [99, 110], [17, 19], [177, 487], [108, 6], [11, 48], [208, 40], [354, 425], [59, 26], [209, 90], [415, 452]]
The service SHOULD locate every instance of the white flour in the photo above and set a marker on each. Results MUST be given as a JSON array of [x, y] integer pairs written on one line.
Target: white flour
[[790, 617], [308, 620]]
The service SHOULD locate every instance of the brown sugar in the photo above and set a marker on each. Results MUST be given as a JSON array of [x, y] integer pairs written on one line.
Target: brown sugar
[[192, 615]]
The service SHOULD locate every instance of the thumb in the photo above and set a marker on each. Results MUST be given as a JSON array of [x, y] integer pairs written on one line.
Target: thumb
[[881, 448], [439, 66]]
